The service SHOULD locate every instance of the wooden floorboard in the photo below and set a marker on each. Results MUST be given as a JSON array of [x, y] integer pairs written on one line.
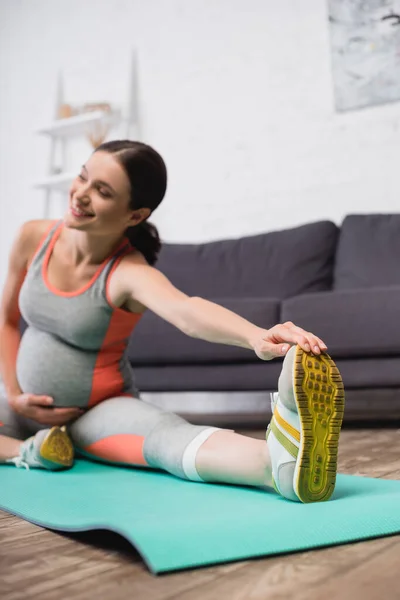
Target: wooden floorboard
[[40, 564]]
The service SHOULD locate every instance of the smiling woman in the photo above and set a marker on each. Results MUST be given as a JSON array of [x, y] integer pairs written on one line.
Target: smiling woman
[[120, 175], [82, 285]]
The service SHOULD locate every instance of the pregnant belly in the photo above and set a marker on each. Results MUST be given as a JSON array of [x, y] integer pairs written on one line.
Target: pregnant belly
[[47, 365]]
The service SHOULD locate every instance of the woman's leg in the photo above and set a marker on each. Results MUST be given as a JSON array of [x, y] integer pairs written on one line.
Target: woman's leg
[[9, 448], [132, 432], [229, 457], [299, 458], [224, 456], [11, 430]]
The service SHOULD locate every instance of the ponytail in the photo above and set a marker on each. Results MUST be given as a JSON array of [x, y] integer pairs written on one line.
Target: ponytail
[[144, 237]]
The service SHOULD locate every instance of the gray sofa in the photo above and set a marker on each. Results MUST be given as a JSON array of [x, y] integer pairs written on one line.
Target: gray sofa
[[342, 283]]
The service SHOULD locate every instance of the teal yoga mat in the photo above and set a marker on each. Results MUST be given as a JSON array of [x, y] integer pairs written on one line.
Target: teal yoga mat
[[177, 524]]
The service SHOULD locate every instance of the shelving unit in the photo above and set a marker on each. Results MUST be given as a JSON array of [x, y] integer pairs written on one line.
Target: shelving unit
[[61, 131], [59, 182], [77, 125]]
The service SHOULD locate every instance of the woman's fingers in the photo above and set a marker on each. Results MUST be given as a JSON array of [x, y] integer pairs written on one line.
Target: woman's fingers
[[36, 400], [67, 414], [305, 339], [322, 344], [56, 416], [295, 335]]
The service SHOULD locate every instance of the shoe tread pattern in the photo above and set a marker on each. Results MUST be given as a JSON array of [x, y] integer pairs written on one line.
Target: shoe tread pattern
[[57, 447], [320, 397]]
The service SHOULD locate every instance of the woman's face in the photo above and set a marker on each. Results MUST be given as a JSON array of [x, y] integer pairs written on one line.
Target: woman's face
[[99, 198]]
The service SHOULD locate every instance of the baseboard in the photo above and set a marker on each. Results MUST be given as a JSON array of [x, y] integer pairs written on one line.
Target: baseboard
[[252, 409], [215, 408]]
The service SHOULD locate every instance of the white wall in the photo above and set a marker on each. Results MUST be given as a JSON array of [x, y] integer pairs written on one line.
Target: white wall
[[236, 94]]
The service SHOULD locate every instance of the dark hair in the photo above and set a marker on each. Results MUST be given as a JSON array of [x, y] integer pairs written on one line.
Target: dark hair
[[147, 175]]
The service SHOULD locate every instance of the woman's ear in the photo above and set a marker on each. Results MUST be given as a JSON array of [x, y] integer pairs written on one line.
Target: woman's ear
[[139, 215]]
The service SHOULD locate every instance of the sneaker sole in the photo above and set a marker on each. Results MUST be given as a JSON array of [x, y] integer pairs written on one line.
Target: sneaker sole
[[57, 447], [320, 397]]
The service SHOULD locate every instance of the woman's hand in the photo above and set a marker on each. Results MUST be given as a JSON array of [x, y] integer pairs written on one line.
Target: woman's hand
[[39, 409], [276, 341]]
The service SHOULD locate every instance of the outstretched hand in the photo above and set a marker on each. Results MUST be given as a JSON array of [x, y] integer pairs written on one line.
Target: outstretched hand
[[40, 409], [276, 341]]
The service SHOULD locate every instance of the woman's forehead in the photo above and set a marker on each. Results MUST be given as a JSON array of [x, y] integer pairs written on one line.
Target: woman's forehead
[[103, 165]]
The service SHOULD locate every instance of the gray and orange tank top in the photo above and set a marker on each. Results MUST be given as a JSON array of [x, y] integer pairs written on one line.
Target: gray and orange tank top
[[74, 348]]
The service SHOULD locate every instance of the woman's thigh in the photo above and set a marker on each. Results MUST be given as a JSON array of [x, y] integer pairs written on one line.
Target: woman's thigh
[[125, 430]]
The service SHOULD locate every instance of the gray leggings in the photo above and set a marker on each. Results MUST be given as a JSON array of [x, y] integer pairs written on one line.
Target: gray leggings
[[125, 431]]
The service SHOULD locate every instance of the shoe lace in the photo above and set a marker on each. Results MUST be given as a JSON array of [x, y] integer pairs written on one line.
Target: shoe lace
[[20, 461]]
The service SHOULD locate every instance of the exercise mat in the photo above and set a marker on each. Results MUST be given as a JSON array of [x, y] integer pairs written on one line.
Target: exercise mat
[[177, 524]]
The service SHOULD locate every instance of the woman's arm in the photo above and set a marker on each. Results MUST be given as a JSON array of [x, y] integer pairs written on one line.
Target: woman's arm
[[10, 336], [34, 406], [200, 318]]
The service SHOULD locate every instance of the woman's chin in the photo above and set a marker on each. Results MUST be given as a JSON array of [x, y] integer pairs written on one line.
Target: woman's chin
[[73, 223]]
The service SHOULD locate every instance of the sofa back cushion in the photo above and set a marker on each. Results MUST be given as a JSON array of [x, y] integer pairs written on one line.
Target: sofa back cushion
[[156, 342], [368, 252], [353, 323], [279, 264]]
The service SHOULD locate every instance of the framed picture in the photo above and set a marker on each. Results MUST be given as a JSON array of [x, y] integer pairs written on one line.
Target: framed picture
[[365, 46]]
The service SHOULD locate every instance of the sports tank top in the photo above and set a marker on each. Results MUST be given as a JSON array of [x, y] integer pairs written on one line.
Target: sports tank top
[[74, 348]]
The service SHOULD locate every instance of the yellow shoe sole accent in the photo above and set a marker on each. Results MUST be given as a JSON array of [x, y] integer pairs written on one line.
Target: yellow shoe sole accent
[[319, 394], [57, 447]]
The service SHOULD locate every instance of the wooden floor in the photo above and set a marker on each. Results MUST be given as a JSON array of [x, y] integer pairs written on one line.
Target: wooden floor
[[35, 563]]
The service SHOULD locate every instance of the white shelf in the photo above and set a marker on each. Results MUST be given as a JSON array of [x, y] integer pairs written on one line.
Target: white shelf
[[92, 125], [60, 183], [80, 124]]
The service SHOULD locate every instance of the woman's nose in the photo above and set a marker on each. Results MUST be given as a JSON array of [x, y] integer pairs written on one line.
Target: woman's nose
[[82, 192]]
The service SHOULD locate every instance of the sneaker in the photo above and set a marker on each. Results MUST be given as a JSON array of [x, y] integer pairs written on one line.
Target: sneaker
[[49, 449], [303, 436]]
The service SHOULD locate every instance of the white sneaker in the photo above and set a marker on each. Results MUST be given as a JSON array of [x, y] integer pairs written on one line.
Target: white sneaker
[[303, 436], [49, 449]]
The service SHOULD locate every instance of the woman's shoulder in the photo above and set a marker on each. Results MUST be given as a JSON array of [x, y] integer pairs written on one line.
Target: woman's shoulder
[[133, 257], [35, 227], [31, 233], [119, 288], [128, 264]]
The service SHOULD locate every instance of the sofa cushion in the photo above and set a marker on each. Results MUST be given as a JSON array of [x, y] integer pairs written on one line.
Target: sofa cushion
[[368, 252], [275, 265], [353, 323], [357, 373], [154, 341], [256, 376]]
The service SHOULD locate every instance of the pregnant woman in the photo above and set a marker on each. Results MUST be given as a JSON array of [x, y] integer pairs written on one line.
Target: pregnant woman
[[82, 285]]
